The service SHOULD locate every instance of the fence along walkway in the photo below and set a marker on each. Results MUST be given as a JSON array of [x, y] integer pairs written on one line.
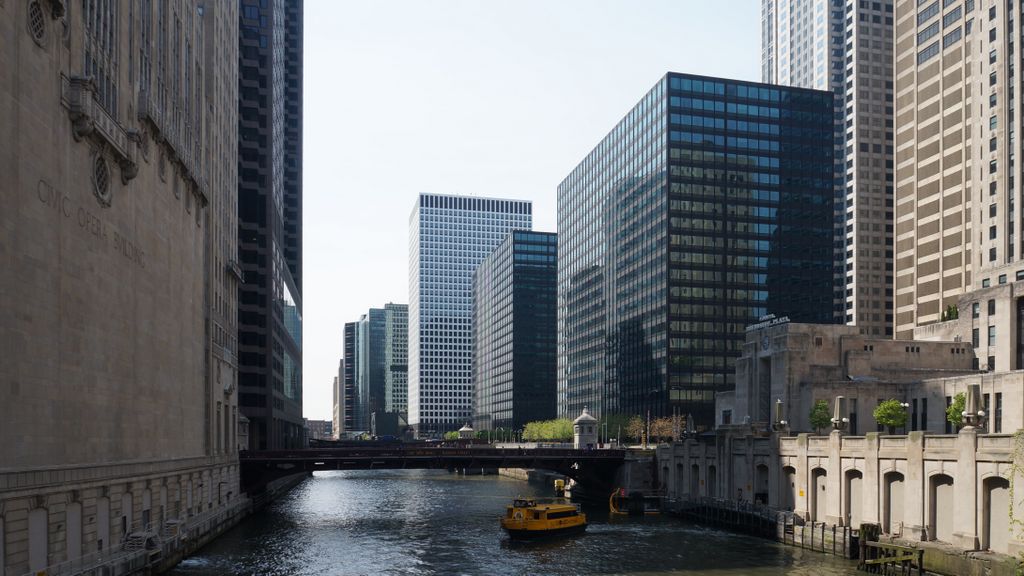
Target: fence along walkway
[[769, 522]]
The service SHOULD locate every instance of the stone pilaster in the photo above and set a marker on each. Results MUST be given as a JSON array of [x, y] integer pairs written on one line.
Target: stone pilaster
[[871, 506], [803, 476], [965, 509], [914, 489], [834, 481]]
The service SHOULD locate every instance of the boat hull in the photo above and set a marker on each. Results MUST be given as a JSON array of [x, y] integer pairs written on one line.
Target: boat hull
[[520, 534]]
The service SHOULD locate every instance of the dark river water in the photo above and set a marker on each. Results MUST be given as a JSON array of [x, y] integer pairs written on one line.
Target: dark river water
[[430, 522]]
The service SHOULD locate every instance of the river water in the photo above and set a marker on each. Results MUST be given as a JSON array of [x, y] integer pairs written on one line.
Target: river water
[[425, 522]]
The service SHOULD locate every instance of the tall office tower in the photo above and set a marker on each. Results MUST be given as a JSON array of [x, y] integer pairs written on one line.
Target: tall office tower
[[846, 47], [269, 203], [396, 358], [338, 406], [514, 320], [706, 208], [369, 367], [349, 399], [448, 237], [955, 211], [118, 410], [292, 204], [957, 226]]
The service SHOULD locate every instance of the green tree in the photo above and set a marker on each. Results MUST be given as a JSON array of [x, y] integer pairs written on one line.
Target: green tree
[[891, 414], [955, 411], [548, 430], [820, 418], [635, 428], [661, 428], [451, 435]]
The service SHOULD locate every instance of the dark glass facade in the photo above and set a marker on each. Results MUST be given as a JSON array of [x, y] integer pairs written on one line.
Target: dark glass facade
[[348, 401], [514, 332], [269, 221], [707, 207]]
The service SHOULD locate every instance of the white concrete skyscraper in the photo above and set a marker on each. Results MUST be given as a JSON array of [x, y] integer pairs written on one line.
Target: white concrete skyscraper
[[847, 47], [448, 237]]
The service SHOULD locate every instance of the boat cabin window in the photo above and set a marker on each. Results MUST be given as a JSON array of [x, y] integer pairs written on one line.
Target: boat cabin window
[[565, 514], [523, 503], [536, 515]]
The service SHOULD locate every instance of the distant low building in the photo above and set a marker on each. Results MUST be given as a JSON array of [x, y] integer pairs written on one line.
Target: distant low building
[[319, 429]]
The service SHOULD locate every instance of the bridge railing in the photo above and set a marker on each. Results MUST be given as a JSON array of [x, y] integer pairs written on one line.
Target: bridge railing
[[421, 451]]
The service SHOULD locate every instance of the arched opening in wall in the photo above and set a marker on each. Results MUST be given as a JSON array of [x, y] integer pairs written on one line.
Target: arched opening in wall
[[161, 514], [892, 503], [761, 484], [147, 507], [788, 488], [712, 482], [995, 523], [678, 485], [940, 498], [663, 480], [853, 500], [126, 515], [694, 481], [73, 531], [817, 502], [188, 500], [37, 540], [102, 523]]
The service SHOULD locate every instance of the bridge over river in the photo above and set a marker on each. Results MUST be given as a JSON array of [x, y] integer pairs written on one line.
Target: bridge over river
[[594, 469]]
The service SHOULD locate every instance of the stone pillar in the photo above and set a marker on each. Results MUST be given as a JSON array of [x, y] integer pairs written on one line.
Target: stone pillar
[[914, 489], [871, 489], [774, 471], [803, 476], [834, 482], [965, 489]]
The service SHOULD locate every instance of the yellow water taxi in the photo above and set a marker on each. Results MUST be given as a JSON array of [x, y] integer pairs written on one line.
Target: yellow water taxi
[[526, 519]]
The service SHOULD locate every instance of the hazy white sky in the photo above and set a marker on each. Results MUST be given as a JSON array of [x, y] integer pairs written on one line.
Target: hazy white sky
[[488, 97]]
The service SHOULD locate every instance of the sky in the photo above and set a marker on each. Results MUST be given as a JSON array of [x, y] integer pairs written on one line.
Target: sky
[[487, 98]]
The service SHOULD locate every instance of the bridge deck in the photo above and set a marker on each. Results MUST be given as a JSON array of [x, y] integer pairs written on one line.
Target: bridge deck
[[259, 467]]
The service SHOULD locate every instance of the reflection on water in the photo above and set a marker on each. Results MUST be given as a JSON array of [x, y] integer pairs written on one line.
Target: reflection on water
[[429, 522]]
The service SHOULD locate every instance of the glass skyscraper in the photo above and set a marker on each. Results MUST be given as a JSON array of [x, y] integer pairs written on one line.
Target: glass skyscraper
[[706, 208], [448, 237], [514, 324], [270, 222]]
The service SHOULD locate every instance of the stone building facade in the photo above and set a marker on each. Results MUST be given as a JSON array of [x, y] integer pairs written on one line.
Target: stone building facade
[[117, 246], [799, 364], [953, 489]]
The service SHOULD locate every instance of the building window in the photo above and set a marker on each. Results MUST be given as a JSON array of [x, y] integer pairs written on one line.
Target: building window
[[992, 210], [997, 418], [991, 307], [976, 337], [991, 335], [949, 425], [924, 413], [991, 364], [726, 417], [101, 44], [976, 310], [1002, 278]]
